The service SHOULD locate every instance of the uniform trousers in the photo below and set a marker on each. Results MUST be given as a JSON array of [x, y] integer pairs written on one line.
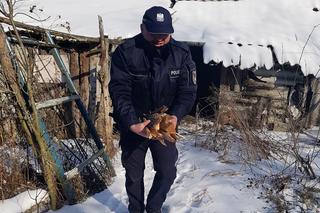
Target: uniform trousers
[[134, 149]]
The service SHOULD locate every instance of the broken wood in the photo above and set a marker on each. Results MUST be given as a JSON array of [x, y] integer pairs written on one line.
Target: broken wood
[[104, 121]]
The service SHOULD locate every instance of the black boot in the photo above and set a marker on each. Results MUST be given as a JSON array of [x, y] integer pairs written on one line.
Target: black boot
[[154, 211]]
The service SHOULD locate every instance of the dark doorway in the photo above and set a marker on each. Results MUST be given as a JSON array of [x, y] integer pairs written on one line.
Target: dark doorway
[[208, 80]]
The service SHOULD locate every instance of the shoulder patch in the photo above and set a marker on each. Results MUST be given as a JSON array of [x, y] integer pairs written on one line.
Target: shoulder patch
[[194, 77]]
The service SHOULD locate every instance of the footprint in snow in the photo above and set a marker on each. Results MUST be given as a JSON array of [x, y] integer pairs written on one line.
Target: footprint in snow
[[201, 198]]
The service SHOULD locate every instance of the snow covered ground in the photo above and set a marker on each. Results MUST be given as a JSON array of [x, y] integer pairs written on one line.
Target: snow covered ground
[[23, 201], [205, 183]]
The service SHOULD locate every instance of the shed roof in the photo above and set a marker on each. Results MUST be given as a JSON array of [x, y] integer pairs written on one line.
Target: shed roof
[[230, 30]]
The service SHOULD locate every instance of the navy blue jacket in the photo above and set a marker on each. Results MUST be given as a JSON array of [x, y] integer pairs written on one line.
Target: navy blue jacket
[[144, 78]]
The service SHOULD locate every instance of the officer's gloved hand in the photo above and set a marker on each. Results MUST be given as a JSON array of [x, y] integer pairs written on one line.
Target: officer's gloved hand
[[141, 128]]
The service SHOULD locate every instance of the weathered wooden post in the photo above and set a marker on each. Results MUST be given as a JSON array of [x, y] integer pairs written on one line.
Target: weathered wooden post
[[104, 121], [84, 83], [74, 112]]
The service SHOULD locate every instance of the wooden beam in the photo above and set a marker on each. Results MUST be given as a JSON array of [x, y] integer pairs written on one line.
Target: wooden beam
[[32, 43], [57, 33], [55, 102], [75, 171], [53, 32], [93, 52], [71, 107], [274, 94], [84, 83]]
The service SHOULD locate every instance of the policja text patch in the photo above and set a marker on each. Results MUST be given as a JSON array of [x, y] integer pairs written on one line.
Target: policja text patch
[[174, 73]]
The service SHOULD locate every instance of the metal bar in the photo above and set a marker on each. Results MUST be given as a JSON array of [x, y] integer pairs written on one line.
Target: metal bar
[[55, 102], [73, 172]]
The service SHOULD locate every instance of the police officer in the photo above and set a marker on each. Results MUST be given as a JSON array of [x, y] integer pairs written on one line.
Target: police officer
[[149, 71]]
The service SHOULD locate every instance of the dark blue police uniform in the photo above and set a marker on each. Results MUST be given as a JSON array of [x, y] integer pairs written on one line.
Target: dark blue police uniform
[[144, 78]]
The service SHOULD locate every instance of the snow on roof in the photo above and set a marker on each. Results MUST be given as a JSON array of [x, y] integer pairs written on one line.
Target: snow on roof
[[231, 30], [252, 25]]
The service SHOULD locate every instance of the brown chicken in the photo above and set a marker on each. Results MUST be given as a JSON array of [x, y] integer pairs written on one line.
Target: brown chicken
[[160, 128]]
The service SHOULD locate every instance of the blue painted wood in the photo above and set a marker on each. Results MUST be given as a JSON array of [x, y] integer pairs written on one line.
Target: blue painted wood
[[52, 146], [55, 102]]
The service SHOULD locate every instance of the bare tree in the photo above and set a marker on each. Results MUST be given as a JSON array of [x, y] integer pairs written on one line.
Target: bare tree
[[23, 64]]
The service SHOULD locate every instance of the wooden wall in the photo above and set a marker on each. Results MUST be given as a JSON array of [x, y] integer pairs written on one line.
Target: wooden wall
[[85, 66], [262, 104]]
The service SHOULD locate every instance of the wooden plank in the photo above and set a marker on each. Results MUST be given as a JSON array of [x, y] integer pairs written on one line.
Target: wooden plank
[[258, 85], [93, 82], [53, 32], [75, 171], [274, 94], [55, 102], [249, 101], [84, 83], [72, 113]]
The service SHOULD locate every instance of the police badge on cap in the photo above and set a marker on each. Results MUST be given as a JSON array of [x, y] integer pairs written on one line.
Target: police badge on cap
[[160, 17]]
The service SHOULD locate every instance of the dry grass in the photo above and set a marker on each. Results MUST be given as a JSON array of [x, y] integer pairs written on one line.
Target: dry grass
[[16, 175], [233, 127]]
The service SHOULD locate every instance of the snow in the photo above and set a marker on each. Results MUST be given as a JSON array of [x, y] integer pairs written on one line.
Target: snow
[[203, 184], [230, 30], [23, 201], [206, 181], [221, 25]]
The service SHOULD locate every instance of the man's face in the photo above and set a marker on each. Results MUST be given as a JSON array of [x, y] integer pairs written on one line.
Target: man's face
[[158, 40]]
